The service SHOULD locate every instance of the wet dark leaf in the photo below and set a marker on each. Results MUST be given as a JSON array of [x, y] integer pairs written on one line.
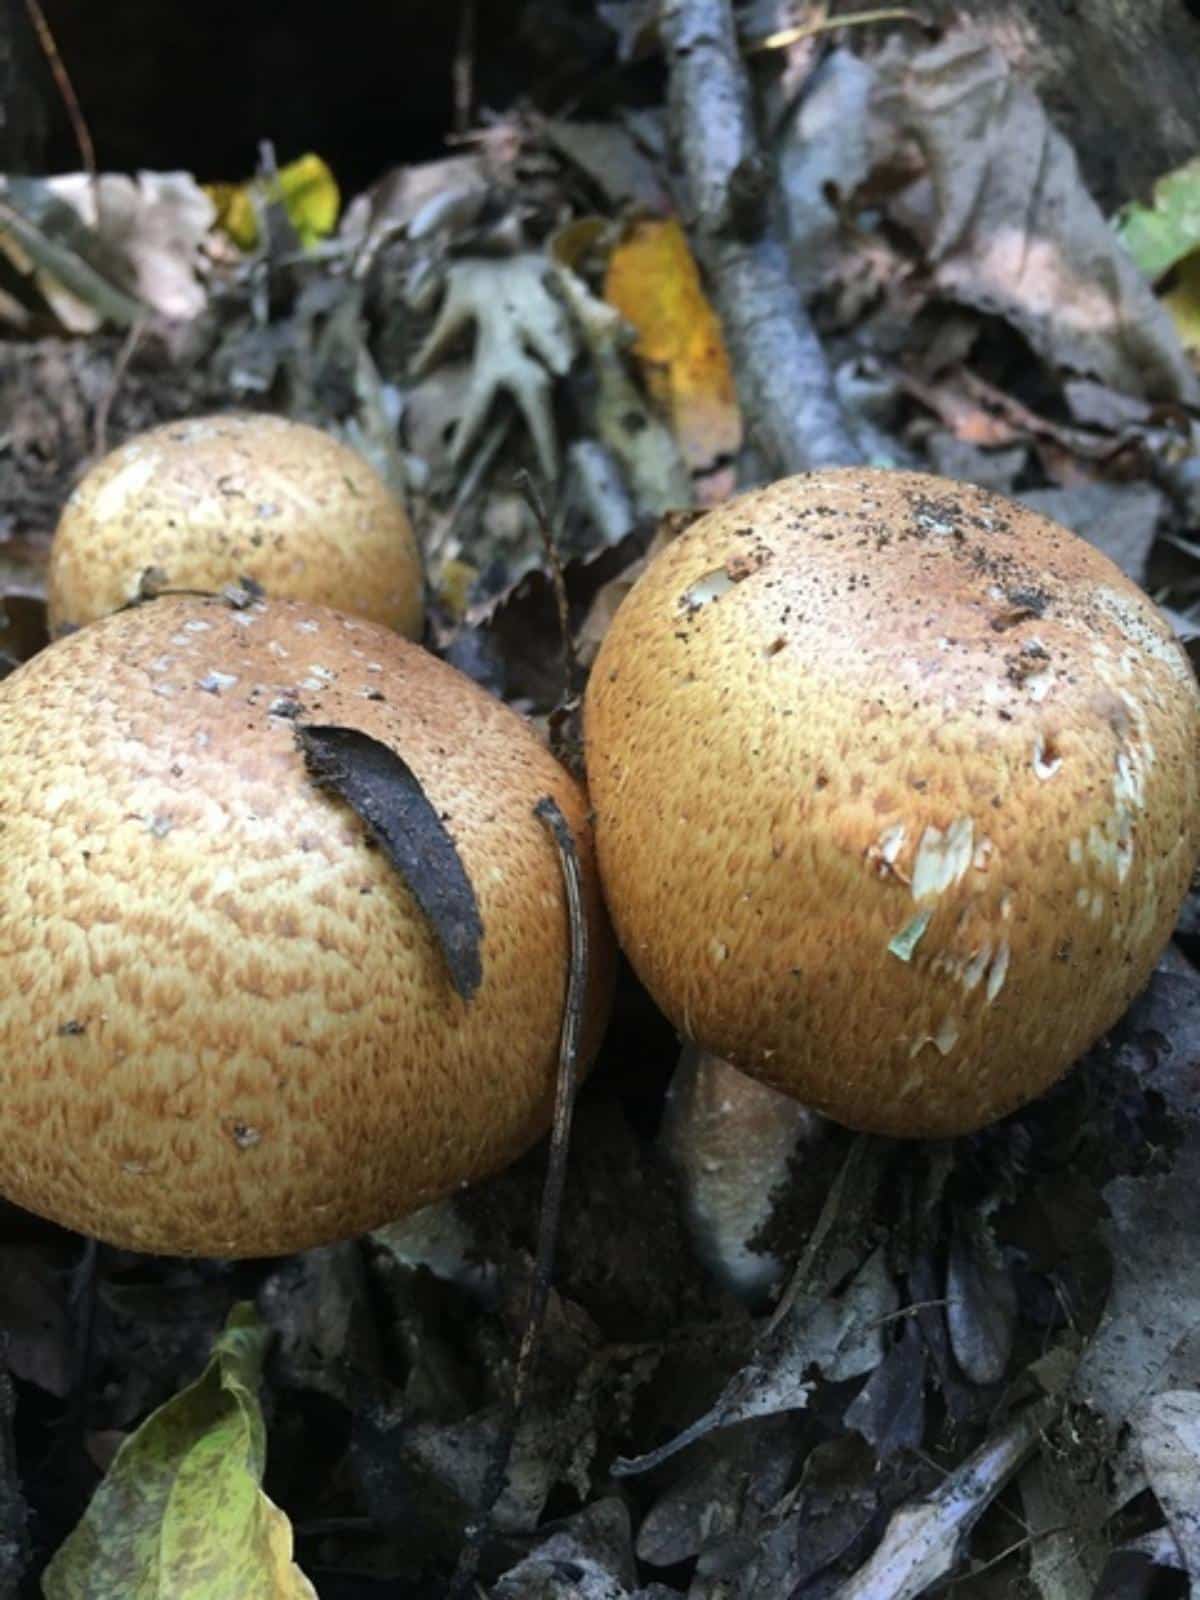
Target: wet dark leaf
[[889, 1411], [22, 629], [387, 795], [981, 1301]]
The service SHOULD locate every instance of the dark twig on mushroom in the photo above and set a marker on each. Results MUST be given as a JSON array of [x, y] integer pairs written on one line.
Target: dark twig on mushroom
[[781, 371], [566, 1086]]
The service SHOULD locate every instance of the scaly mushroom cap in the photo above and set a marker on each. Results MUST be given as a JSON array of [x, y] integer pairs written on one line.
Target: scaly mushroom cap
[[226, 1026], [201, 503], [895, 792]]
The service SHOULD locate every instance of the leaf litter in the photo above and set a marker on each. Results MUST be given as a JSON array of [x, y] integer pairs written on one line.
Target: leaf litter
[[1008, 1321]]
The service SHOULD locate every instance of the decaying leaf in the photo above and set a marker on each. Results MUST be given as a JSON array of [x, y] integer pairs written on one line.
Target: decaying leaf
[[654, 282], [981, 1300], [23, 630], [1122, 519], [777, 1377], [1169, 1435], [612, 159], [924, 1541], [589, 1558], [608, 598], [1066, 1518], [645, 447], [824, 154], [114, 248], [1009, 227], [1149, 1340], [387, 795], [181, 1514]]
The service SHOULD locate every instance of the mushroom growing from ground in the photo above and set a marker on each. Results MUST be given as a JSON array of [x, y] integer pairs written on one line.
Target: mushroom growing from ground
[[227, 1028], [202, 503], [896, 793]]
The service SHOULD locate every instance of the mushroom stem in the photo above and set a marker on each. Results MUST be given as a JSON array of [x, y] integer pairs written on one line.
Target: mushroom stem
[[731, 1141]]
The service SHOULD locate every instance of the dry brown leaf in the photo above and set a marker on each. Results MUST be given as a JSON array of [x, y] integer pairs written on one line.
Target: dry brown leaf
[[1008, 226]]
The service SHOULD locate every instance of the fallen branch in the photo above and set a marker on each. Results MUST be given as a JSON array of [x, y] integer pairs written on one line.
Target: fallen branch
[[783, 378]]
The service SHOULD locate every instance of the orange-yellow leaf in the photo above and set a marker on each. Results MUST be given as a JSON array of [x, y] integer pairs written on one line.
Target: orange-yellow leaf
[[1183, 302], [306, 189], [653, 281]]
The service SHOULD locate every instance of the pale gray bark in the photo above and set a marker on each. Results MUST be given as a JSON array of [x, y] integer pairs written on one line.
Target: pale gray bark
[[783, 380]]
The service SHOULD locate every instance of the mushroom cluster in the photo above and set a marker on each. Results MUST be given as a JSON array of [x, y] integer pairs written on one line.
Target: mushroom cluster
[[228, 1028], [896, 793], [209, 501]]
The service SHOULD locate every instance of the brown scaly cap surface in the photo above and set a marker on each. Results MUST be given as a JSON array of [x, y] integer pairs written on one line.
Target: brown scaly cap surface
[[895, 790], [214, 499], [226, 1027]]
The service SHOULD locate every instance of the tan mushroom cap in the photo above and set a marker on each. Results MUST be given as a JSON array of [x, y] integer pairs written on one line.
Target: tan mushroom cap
[[201, 503], [895, 791], [226, 1027]]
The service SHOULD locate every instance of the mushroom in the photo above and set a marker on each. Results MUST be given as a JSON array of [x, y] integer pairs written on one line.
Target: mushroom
[[227, 1028], [896, 794], [200, 504], [731, 1142]]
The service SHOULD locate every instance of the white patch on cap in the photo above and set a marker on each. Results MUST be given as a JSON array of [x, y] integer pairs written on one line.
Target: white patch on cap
[[942, 857], [999, 971], [1139, 629], [118, 491]]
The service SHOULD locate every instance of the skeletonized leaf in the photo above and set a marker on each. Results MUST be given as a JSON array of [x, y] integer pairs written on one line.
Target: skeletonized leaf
[[181, 1514], [386, 793]]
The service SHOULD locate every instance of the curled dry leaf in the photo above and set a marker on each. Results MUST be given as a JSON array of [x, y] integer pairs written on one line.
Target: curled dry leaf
[[1009, 227], [182, 1511], [144, 234]]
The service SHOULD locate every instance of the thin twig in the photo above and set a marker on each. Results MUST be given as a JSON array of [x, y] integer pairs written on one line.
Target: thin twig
[[566, 1086], [528, 487], [66, 90], [104, 404], [785, 37]]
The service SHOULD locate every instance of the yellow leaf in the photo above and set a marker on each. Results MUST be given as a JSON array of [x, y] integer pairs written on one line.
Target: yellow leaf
[[653, 281], [306, 188], [181, 1514], [310, 197], [1183, 302], [236, 215], [454, 586]]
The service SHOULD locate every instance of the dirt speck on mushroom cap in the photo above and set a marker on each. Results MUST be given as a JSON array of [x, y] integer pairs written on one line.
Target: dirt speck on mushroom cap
[[203, 502], [227, 1029], [896, 793]]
